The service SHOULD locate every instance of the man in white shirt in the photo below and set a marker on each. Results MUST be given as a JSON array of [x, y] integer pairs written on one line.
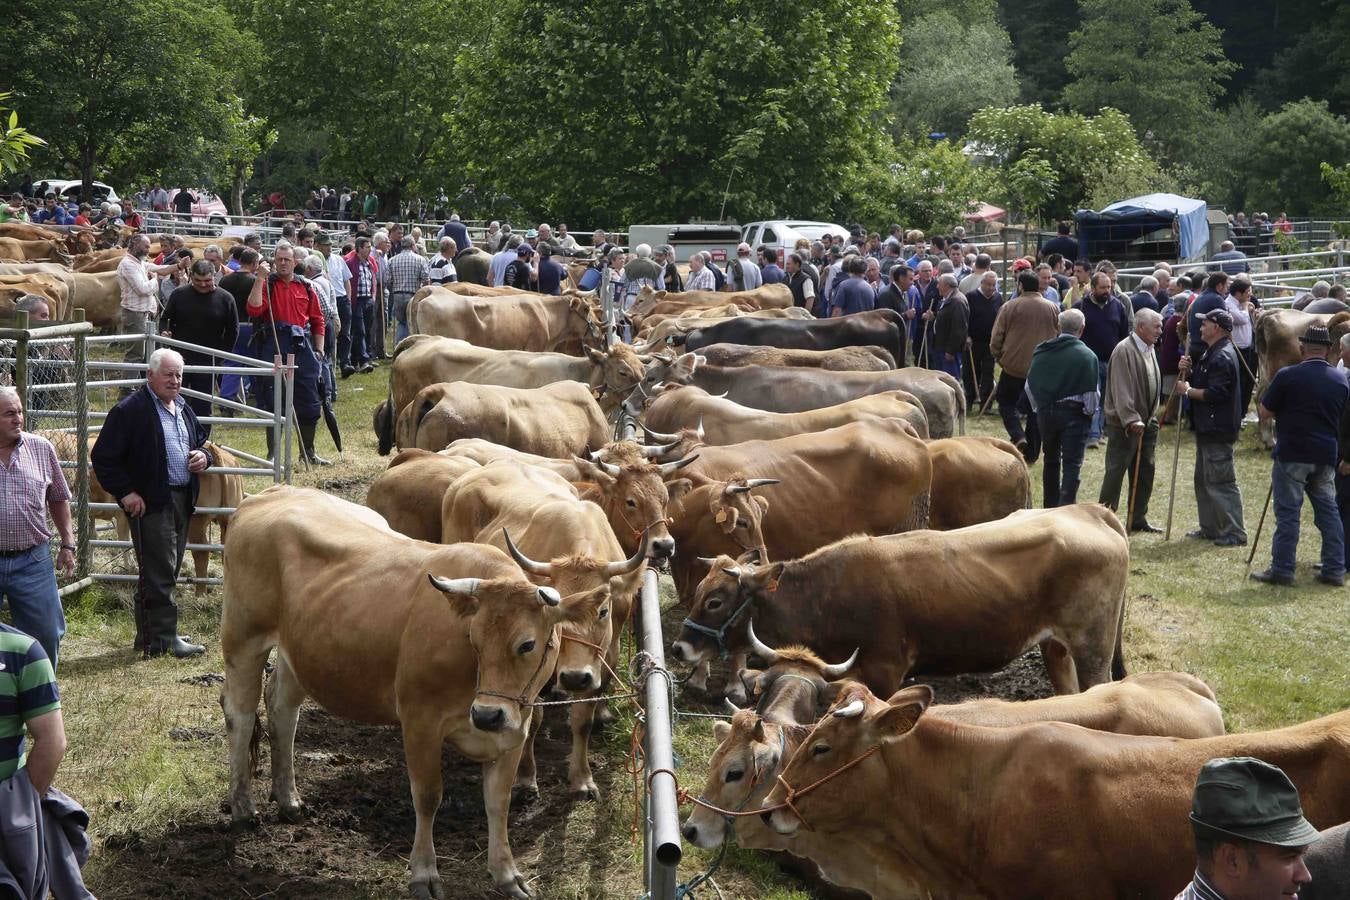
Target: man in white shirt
[[1240, 307], [442, 270], [700, 276], [140, 298], [744, 274]]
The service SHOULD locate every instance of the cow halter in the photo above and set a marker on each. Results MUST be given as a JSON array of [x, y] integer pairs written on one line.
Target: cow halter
[[730, 815], [523, 699], [720, 634]]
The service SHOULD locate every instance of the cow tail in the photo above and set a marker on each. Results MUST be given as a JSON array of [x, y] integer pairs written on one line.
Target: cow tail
[[427, 406], [1118, 659], [961, 408]]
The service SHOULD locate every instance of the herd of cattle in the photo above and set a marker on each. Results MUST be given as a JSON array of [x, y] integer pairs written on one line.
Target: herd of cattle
[[813, 501]]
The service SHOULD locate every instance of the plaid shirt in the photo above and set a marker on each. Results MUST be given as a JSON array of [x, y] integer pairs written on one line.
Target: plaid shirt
[[407, 272], [30, 481], [177, 441]]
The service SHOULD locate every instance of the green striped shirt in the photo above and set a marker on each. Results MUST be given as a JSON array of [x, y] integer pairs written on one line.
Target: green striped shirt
[[27, 690]]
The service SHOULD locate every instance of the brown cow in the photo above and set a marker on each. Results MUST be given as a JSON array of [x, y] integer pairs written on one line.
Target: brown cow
[[520, 322], [14, 250], [51, 288], [976, 479], [727, 422], [560, 419], [1276, 335], [766, 296], [844, 359], [97, 294], [657, 330], [469, 289], [1109, 810], [541, 512], [27, 231], [408, 493], [1048, 577], [452, 643]]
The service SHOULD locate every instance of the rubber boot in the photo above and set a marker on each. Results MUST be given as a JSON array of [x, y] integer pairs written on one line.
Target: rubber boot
[[142, 641], [162, 624], [271, 449], [307, 444]]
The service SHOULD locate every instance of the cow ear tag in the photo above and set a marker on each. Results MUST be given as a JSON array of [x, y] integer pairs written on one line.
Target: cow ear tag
[[772, 585], [720, 517]]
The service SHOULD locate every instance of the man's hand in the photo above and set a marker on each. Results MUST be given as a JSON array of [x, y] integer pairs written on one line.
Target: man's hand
[[1135, 429], [909, 314], [927, 314], [133, 505], [198, 460], [949, 357], [263, 269], [66, 561], [1184, 365], [1182, 387], [1343, 468]]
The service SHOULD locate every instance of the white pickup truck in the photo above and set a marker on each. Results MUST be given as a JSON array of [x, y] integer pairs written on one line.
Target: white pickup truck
[[782, 234]]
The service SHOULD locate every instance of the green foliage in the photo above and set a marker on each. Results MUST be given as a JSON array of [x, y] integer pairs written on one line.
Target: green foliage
[[125, 88], [1216, 167], [1088, 156], [1040, 37], [14, 140], [1339, 182], [1285, 157], [952, 63], [1158, 61], [924, 184], [611, 111]]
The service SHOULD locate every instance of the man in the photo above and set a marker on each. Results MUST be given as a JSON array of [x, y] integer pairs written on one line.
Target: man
[[872, 273], [442, 268], [1164, 292], [1131, 402], [800, 284], [1250, 833], [1057, 267], [853, 295], [1216, 417], [32, 484], [253, 241], [545, 239], [743, 272], [957, 255], [290, 320], [1211, 298], [1063, 385], [14, 210], [1061, 243], [315, 272], [408, 271], [53, 213], [340, 279], [949, 318], [148, 455], [457, 231], [1231, 261], [1242, 307], [771, 272], [890, 255], [159, 199], [1082, 278], [203, 314], [984, 302], [700, 276], [549, 274], [381, 248], [1107, 324], [213, 255], [566, 242], [639, 272], [503, 258], [1306, 401], [1049, 287], [971, 283], [363, 280], [1320, 291], [1147, 295], [670, 272], [519, 273], [925, 284], [182, 204], [239, 284], [1020, 325], [136, 282]]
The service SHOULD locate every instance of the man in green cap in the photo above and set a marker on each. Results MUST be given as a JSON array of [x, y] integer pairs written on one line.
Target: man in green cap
[[1250, 834]]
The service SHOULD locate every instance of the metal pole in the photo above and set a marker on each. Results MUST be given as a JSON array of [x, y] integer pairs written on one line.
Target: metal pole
[[83, 551], [278, 411], [289, 382], [665, 851]]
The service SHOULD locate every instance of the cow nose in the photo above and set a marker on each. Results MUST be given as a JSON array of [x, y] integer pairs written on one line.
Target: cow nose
[[677, 650], [490, 719], [663, 548], [767, 817], [690, 833], [576, 681]]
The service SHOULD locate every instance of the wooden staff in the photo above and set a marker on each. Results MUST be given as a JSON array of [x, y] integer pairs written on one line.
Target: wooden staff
[[974, 376], [1260, 522], [1176, 458], [1134, 479]]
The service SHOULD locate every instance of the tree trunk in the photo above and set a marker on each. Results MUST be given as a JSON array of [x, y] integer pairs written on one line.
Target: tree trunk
[[87, 174], [237, 191], [391, 198]]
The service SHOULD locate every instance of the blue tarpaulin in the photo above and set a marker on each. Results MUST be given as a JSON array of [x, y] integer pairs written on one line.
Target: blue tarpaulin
[[1123, 222]]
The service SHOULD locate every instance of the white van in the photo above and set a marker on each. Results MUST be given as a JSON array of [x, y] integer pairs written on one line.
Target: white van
[[783, 234], [719, 240]]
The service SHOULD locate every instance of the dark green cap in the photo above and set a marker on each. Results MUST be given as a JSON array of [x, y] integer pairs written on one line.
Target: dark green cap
[[323, 239], [1244, 798]]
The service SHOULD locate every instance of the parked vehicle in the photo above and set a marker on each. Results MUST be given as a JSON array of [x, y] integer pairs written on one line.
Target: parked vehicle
[[69, 191], [719, 240], [783, 234], [206, 207]]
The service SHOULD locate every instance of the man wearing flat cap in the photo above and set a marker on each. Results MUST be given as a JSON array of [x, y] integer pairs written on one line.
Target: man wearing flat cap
[[1250, 834], [1306, 402], [1212, 387]]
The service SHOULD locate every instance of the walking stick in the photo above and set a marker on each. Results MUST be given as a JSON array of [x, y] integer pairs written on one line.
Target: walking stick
[[1134, 479], [1260, 522], [1176, 458], [974, 375]]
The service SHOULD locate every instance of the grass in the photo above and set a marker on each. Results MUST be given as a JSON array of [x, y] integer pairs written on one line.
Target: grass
[[146, 738]]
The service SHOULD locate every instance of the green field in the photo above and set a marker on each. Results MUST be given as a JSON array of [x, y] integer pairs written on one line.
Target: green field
[[147, 755]]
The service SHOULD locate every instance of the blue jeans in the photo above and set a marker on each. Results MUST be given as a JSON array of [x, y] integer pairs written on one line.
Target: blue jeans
[[231, 386], [951, 366], [400, 304], [1064, 433], [28, 582], [1095, 431], [1291, 480], [1343, 502], [363, 330]]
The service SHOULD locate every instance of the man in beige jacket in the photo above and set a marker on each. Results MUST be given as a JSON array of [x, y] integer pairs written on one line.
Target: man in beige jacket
[[1021, 324], [1132, 390]]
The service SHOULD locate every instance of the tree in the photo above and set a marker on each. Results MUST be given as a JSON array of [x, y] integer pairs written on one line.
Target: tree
[[924, 184], [1158, 61], [14, 140], [633, 112], [1339, 182], [1216, 167], [1040, 40], [950, 66], [103, 97], [1285, 157]]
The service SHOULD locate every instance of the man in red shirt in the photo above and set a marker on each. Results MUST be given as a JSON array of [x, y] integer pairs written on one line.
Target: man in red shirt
[[287, 319]]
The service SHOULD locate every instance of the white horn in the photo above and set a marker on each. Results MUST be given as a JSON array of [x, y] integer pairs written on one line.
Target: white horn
[[608, 468], [656, 451], [731, 706], [631, 563], [838, 671], [708, 561], [549, 597], [698, 432], [670, 467], [763, 650], [851, 711], [753, 483], [658, 436], [733, 571], [465, 586], [529, 565]]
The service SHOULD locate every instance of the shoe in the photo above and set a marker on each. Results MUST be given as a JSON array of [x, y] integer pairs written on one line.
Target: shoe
[[1200, 535], [367, 369], [162, 627], [176, 647], [1147, 528], [1230, 541], [1024, 447], [1266, 576], [348, 372], [1333, 580], [1093, 445]]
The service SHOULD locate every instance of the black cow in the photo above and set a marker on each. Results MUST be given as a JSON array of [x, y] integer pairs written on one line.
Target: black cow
[[879, 327]]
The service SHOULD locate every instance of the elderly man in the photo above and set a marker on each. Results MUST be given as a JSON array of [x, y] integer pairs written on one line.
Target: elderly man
[[1131, 401], [700, 276], [566, 242], [743, 271], [201, 313], [456, 231], [1216, 417], [949, 325], [1306, 401], [1063, 385], [639, 272], [1250, 833], [32, 485], [148, 455], [1021, 325], [1231, 260], [494, 238], [984, 302], [1147, 295], [136, 282], [408, 271], [1164, 292], [442, 267]]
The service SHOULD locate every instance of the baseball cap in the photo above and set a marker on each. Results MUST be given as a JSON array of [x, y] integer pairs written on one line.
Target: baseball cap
[[1224, 319], [323, 239], [1021, 265], [524, 250], [1249, 799]]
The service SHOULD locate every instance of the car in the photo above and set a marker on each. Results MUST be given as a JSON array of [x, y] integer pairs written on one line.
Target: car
[[719, 240], [206, 207], [69, 191], [783, 234]]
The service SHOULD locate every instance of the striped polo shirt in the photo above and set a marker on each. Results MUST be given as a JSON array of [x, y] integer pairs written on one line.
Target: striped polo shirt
[[27, 690]]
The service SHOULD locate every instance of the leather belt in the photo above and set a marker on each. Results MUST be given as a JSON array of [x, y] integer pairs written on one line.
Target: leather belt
[[11, 553]]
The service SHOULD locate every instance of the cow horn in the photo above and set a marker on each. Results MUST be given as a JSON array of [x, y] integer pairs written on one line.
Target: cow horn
[[838, 671], [548, 596], [699, 432], [733, 488], [658, 436], [708, 561], [721, 396], [762, 650], [731, 706], [596, 454], [608, 468], [753, 483], [733, 571], [653, 451], [631, 563], [464, 586], [851, 711], [529, 565], [671, 467]]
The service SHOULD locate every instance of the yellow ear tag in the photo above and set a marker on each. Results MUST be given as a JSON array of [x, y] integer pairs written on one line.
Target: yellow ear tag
[[720, 517], [771, 586]]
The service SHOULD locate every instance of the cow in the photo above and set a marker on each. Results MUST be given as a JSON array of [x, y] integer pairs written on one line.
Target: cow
[[845, 359], [560, 419], [658, 331], [96, 293], [766, 296], [999, 470], [423, 359], [726, 422], [27, 231], [520, 322], [15, 250], [1277, 333], [408, 493], [1015, 801], [536, 515], [472, 265], [469, 289], [789, 390], [939, 602], [878, 327], [51, 288], [452, 643]]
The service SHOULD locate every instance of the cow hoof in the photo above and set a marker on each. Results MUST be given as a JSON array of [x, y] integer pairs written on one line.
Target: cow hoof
[[524, 792], [604, 716], [585, 791], [427, 890], [292, 815], [241, 824], [515, 888]]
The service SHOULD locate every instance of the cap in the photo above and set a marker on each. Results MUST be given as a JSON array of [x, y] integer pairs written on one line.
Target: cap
[[1020, 264], [1224, 319], [1250, 800], [1316, 334], [524, 250], [323, 239]]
